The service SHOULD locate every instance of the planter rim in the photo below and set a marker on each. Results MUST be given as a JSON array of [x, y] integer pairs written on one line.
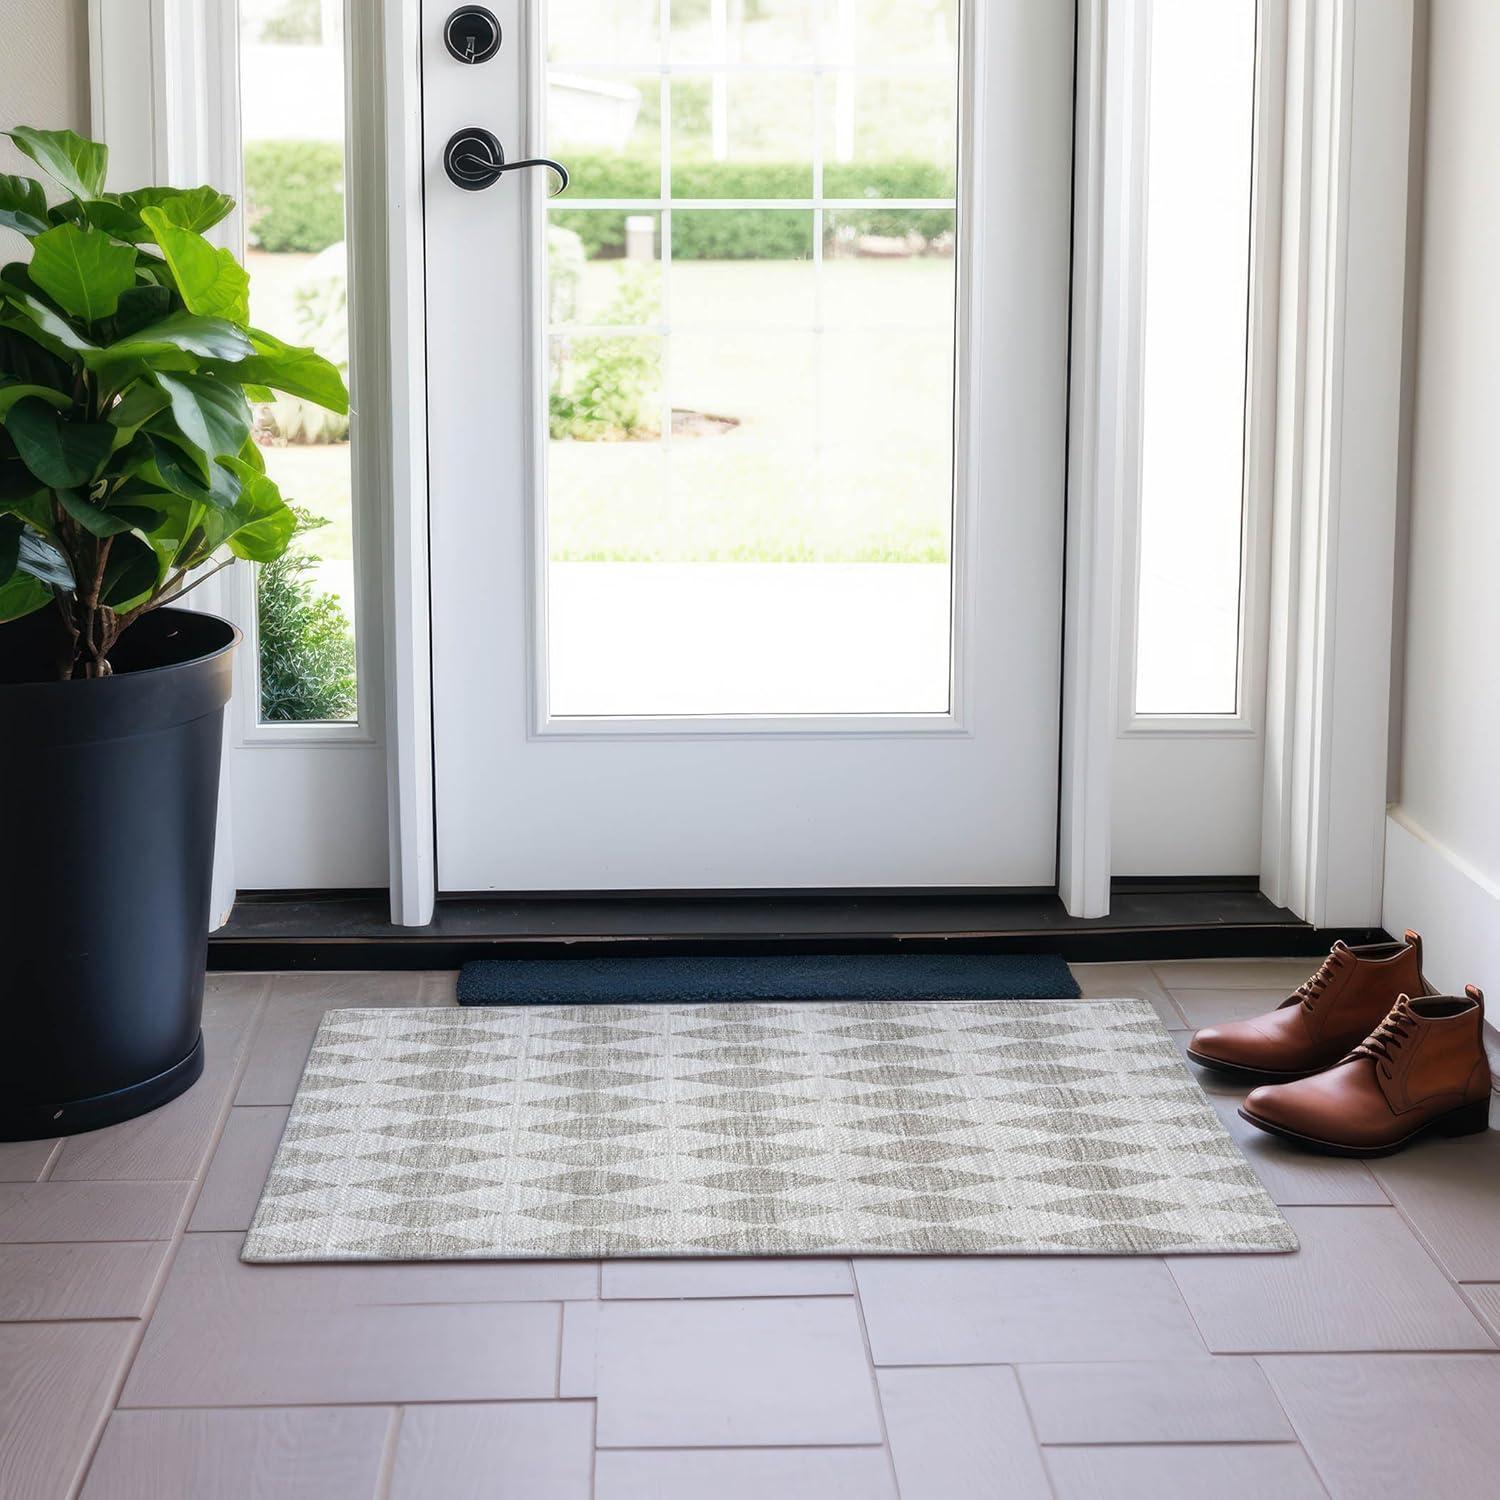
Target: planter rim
[[117, 682]]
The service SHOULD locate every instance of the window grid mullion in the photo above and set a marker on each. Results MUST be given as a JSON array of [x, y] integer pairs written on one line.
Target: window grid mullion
[[665, 353], [819, 104]]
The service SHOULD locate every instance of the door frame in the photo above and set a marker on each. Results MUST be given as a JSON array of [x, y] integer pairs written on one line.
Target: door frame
[[1338, 414], [1325, 419]]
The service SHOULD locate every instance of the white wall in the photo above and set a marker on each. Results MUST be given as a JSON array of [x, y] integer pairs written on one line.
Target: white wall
[[44, 77], [1443, 846]]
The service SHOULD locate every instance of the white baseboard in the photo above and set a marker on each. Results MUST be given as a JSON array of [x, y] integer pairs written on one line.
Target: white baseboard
[[1455, 907]]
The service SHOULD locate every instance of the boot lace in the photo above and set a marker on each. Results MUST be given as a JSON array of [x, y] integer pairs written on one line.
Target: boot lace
[[1311, 990], [1383, 1043]]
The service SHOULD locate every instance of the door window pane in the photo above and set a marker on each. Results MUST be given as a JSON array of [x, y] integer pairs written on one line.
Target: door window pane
[[292, 108], [1201, 119], [749, 501]]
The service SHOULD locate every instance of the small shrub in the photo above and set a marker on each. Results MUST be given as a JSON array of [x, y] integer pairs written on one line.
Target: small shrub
[[565, 259], [307, 661], [608, 389], [294, 21], [294, 194]]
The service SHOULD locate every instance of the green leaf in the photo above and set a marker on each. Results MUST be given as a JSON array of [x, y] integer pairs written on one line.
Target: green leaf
[[42, 560], [105, 213], [212, 416], [208, 338], [165, 469], [10, 394], [141, 517], [10, 546], [251, 454], [32, 317], [91, 517], [194, 209], [290, 368], [23, 358], [72, 162], [23, 595], [261, 522], [139, 308], [212, 282], [23, 204], [82, 270], [132, 571], [134, 409], [61, 454], [36, 510]]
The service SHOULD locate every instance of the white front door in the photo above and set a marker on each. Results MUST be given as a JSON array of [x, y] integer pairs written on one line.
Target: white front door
[[747, 451]]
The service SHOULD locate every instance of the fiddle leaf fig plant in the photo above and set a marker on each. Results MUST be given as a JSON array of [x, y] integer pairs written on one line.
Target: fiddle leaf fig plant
[[128, 469]]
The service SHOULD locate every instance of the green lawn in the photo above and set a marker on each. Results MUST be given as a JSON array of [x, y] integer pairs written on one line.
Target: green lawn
[[876, 489]]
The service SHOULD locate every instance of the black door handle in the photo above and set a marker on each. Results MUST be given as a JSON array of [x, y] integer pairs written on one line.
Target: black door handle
[[475, 159]]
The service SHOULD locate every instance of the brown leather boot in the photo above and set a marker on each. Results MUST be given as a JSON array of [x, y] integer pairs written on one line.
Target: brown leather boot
[[1423, 1068], [1317, 1025]]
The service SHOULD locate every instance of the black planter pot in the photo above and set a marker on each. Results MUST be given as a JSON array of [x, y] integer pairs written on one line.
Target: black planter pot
[[110, 796]]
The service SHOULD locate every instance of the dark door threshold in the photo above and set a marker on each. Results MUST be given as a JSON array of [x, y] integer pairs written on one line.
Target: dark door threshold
[[1150, 919]]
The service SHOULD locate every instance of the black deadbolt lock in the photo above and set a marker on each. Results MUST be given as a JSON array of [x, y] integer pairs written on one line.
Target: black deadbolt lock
[[472, 34]]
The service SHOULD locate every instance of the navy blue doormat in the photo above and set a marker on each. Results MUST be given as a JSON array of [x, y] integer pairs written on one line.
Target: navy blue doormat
[[677, 979]]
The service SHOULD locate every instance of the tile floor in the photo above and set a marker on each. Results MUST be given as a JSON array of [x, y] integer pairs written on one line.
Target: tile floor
[[139, 1360]]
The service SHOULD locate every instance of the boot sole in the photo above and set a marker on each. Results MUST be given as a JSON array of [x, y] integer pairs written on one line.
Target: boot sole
[[1471, 1119], [1253, 1075]]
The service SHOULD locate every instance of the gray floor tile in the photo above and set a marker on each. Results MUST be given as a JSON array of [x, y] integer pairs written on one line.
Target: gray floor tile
[[1359, 1281], [531, 1451], [1126, 982], [992, 1310], [577, 1373], [1283, 974], [214, 1259], [1254, 1471], [714, 1374], [55, 1384], [238, 1170], [44, 1282], [227, 1334], [24, 1161], [961, 1434], [170, 1144], [1450, 1190], [1484, 1298], [765, 1277], [1215, 1007], [36, 1211], [747, 1474], [299, 1453], [297, 1004], [440, 987], [1381, 1426], [1293, 1176], [1156, 1401]]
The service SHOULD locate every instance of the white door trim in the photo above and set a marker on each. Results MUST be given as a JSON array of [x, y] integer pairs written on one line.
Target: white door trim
[[1334, 544], [1336, 404], [1104, 429], [406, 593], [165, 100]]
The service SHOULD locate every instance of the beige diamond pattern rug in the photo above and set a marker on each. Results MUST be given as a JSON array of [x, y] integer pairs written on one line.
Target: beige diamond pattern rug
[[973, 1127]]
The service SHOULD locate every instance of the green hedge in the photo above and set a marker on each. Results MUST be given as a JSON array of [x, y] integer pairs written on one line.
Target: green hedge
[[294, 194], [295, 201], [753, 234]]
